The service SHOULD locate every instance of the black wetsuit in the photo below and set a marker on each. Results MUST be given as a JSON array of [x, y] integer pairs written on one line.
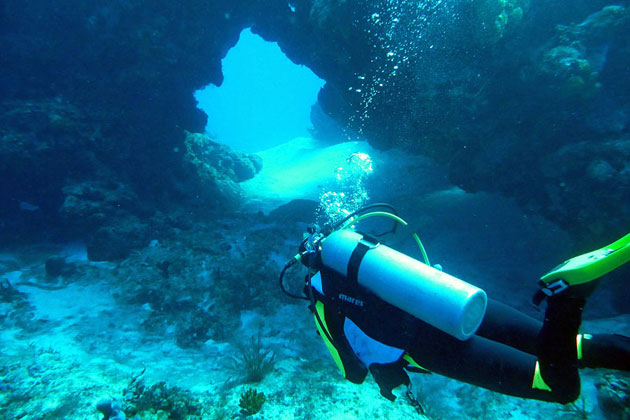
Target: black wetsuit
[[502, 356]]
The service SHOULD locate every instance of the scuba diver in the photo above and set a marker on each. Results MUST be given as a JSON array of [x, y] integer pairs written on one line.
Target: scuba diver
[[383, 312]]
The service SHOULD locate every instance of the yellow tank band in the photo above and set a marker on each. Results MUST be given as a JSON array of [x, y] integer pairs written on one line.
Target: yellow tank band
[[579, 339], [539, 382]]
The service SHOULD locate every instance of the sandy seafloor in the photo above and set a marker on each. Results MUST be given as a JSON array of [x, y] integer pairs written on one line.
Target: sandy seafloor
[[91, 347], [84, 345]]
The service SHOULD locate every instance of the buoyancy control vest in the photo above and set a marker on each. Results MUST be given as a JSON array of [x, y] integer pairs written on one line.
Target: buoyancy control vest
[[362, 332]]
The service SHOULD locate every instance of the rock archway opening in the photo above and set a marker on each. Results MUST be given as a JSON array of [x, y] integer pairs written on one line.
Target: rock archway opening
[[265, 99]]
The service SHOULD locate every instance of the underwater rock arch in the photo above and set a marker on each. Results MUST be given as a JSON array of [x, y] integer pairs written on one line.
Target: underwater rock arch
[[475, 96]]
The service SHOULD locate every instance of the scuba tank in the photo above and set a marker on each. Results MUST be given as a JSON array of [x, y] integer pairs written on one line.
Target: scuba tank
[[435, 297]]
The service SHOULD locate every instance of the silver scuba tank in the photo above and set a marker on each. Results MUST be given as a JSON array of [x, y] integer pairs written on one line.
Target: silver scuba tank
[[435, 297]]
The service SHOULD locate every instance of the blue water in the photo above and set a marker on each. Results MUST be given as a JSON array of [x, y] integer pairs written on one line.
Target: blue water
[[139, 263], [265, 99]]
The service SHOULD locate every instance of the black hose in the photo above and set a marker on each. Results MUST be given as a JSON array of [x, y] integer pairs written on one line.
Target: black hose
[[286, 292], [332, 229], [363, 210]]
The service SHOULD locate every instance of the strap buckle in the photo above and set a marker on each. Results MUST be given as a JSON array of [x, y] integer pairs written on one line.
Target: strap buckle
[[369, 241], [549, 290], [364, 244], [555, 288]]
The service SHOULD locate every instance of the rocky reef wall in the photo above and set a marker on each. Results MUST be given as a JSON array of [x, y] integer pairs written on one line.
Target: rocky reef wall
[[97, 99], [515, 97]]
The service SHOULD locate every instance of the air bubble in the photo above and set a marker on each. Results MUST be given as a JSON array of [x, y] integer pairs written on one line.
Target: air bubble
[[349, 192]]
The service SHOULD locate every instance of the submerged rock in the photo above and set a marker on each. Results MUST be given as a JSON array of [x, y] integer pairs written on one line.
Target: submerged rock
[[94, 203], [593, 178], [219, 169], [43, 143], [117, 240], [58, 266], [613, 395]]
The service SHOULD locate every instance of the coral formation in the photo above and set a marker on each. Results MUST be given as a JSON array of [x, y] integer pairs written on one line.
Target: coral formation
[[580, 176], [177, 403], [394, 75], [251, 402], [254, 360], [573, 73], [218, 168], [495, 18], [203, 292]]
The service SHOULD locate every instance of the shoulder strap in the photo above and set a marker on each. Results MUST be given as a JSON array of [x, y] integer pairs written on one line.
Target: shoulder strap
[[330, 327], [363, 246]]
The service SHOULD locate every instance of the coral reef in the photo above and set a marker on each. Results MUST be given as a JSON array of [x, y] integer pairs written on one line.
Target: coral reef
[[572, 63], [575, 76], [496, 18], [189, 281], [44, 143], [176, 403], [96, 93], [587, 181], [219, 169], [68, 119]]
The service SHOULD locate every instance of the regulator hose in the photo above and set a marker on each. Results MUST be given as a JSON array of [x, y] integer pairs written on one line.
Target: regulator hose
[[289, 264], [346, 223]]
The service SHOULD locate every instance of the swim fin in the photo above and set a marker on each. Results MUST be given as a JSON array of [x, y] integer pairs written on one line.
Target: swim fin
[[584, 269]]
